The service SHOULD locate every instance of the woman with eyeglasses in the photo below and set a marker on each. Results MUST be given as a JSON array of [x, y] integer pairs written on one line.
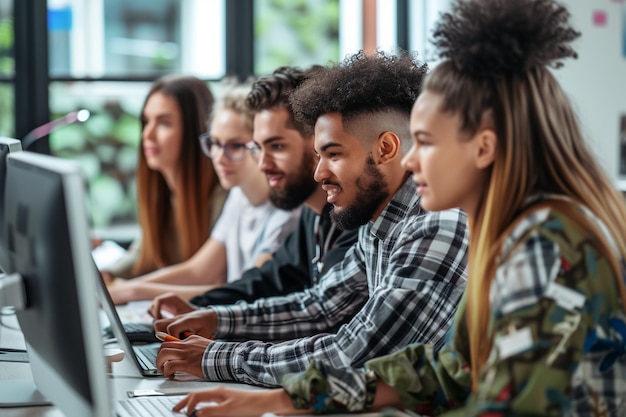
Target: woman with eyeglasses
[[179, 197], [249, 228]]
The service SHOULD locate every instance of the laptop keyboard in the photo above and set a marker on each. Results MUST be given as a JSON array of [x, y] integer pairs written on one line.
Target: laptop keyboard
[[147, 354]]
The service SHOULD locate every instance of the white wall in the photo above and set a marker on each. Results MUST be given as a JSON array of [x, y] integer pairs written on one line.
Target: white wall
[[596, 81]]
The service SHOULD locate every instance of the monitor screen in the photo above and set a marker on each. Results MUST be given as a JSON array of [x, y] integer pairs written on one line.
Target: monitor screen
[[6, 145], [48, 245]]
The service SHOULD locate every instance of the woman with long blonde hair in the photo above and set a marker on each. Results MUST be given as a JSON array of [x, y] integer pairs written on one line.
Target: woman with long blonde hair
[[541, 330]]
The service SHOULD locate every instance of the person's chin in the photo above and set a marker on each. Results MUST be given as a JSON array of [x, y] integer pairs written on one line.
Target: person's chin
[[153, 165], [228, 181], [338, 210]]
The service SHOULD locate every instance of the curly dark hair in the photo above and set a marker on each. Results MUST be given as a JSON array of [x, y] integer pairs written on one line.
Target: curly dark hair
[[274, 90], [358, 85], [492, 38]]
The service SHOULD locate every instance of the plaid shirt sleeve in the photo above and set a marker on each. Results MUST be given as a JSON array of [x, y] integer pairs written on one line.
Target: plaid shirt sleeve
[[412, 298], [338, 295]]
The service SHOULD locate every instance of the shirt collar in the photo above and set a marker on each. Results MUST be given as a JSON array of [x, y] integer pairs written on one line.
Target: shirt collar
[[405, 202]]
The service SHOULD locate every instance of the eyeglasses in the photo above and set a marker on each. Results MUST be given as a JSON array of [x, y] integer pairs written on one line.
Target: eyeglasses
[[274, 150], [255, 150], [234, 151]]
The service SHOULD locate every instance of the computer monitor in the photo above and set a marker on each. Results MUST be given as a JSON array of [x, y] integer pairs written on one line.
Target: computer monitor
[[48, 245], [6, 145]]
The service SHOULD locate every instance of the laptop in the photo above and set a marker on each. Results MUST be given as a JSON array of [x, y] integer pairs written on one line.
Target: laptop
[[142, 355]]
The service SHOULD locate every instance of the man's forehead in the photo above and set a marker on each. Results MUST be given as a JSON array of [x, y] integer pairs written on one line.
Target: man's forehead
[[270, 120], [272, 114], [329, 127]]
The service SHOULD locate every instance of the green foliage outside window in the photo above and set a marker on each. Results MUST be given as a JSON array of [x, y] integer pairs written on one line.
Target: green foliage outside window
[[295, 32], [106, 146], [7, 122], [7, 63], [7, 68]]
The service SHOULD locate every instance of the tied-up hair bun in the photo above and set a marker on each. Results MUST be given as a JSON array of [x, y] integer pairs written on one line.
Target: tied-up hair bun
[[494, 38]]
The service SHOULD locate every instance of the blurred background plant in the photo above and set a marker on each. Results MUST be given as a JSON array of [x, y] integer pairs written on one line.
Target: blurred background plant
[[7, 67], [7, 62], [106, 146], [295, 32]]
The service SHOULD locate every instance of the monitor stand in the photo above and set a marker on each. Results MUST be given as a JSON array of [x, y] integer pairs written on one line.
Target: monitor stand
[[20, 393]]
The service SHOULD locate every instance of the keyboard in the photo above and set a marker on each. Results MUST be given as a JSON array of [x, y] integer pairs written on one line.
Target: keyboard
[[159, 406], [153, 406], [136, 332], [146, 355]]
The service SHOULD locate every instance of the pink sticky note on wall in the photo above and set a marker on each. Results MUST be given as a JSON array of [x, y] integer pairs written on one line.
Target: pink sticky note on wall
[[599, 18]]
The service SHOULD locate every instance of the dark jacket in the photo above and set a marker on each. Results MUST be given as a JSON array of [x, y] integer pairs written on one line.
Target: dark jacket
[[293, 266]]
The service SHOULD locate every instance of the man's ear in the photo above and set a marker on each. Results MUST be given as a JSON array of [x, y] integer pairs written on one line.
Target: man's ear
[[386, 147], [486, 148]]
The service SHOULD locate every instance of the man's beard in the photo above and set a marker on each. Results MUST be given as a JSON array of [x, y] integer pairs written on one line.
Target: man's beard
[[298, 187], [372, 190]]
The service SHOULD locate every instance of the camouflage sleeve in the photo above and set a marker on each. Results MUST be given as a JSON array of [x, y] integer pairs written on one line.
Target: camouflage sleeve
[[428, 382], [331, 390]]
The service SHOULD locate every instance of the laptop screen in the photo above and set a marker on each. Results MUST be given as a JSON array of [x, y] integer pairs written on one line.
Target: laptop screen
[[118, 331]]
